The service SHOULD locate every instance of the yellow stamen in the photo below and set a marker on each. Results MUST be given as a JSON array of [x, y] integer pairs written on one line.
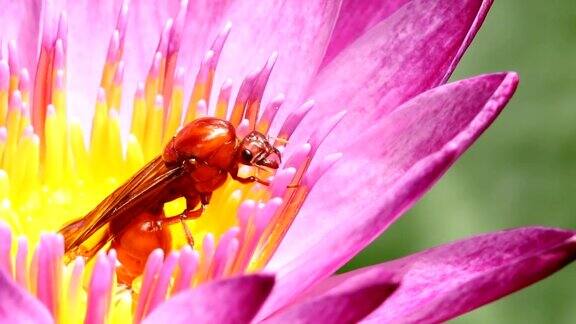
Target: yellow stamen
[[54, 150], [114, 145], [134, 155], [108, 75], [10, 152], [153, 133], [13, 82], [3, 107], [99, 138], [139, 115], [79, 150], [175, 114]]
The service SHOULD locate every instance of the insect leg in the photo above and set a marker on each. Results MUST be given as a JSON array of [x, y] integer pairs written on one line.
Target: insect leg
[[182, 218], [187, 232], [249, 179], [186, 215], [189, 213]]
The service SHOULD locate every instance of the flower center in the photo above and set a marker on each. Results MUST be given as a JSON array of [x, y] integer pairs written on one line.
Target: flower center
[[49, 175]]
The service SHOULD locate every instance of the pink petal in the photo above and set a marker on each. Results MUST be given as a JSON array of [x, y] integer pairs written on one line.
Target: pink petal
[[204, 21], [355, 18], [21, 23], [392, 164], [145, 24], [348, 306], [413, 50], [228, 301], [91, 24], [444, 282], [298, 30], [17, 306]]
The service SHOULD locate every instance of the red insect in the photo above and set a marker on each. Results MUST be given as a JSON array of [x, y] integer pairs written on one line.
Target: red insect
[[195, 162]]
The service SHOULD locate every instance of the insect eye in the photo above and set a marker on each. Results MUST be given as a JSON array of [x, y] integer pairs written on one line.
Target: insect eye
[[246, 155]]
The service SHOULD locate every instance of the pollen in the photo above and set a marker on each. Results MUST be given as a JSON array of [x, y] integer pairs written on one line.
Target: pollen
[[54, 170]]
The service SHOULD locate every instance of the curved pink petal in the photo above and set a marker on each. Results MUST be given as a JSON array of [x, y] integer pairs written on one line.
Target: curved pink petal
[[17, 306], [145, 24], [298, 30], [413, 50], [393, 164], [146, 20], [193, 31], [228, 301], [91, 27], [204, 21], [91, 24], [344, 306], [354, 19], [21, 24], [446, 281]]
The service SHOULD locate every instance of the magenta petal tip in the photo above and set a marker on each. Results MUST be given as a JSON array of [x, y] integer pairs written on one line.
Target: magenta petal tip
[[235, 300]]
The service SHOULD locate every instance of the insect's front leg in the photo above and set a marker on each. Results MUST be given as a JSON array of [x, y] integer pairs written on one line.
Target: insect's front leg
[[250, 179]]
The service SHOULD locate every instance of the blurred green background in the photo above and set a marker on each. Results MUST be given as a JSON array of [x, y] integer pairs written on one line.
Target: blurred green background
[[522, 171]]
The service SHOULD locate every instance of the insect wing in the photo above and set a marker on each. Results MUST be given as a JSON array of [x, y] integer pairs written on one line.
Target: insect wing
[[126, 200]]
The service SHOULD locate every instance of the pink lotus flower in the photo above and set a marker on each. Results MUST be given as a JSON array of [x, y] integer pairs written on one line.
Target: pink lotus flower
[[264, 253]]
